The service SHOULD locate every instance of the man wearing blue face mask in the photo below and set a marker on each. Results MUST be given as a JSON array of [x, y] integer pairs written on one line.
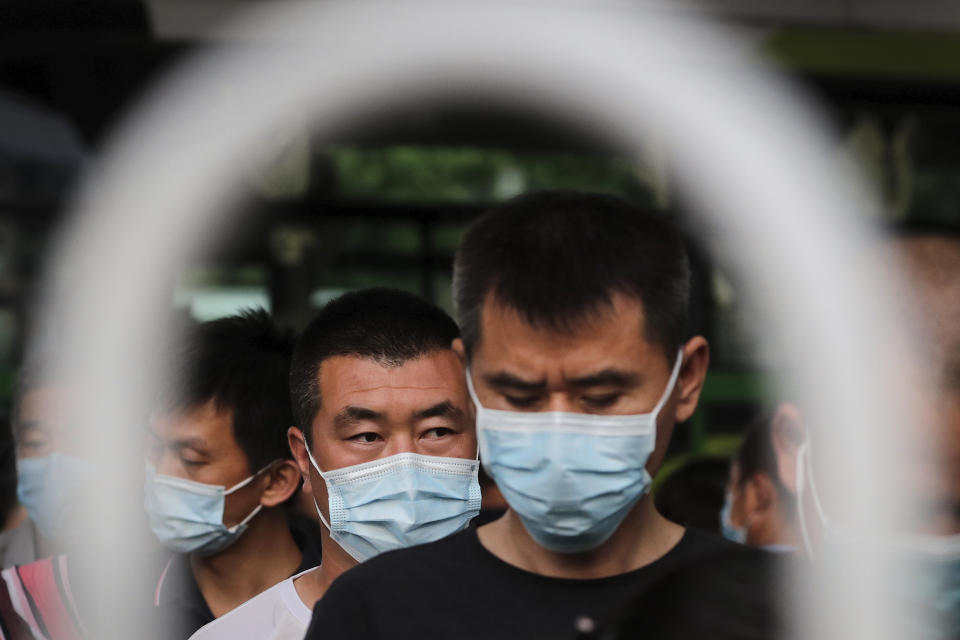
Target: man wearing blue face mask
[[385, 442], [50, 474], [219, 474], [573, 310]]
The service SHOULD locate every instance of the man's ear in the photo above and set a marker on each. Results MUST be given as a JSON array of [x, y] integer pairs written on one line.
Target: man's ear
[[284, 480], [460, 349], [788, 433], [761, 486], [693, 371], [298, 447]]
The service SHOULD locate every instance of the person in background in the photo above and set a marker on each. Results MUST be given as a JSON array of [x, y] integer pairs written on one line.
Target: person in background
[[930, 582], [692, 495], [573, 310], [49, 471], [759, 509], [219, 472], [385, 442]]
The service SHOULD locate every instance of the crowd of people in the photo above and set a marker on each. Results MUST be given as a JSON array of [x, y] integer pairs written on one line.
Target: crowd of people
[[328, 485]]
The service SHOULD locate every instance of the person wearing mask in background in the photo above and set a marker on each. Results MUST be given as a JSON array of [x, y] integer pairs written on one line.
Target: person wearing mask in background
[[385, 441], [49, 470], [760, 510], [692, 495], [219, 472], [930, 259], [573, 310]]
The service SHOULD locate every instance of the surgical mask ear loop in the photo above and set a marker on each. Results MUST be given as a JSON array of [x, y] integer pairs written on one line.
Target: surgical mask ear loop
[[670, 385], [801, 488], [316, 468], [241, 485], [804, 477], [477, 408]]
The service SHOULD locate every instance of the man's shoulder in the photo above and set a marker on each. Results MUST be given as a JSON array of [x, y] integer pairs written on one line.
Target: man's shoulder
[[256, 618]]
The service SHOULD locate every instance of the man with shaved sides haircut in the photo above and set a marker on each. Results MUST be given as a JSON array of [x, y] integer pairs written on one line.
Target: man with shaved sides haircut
[[573, 310], [385, 442]]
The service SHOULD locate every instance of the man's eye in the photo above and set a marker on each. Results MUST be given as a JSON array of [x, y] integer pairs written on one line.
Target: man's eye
[[602, 402], [522, 403], [366, 437], [437, 432], [188, 462]]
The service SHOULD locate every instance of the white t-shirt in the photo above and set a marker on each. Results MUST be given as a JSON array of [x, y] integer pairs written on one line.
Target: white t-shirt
[[276, 614]]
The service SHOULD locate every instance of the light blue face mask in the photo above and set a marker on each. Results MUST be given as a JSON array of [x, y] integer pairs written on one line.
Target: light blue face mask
[[399, 501], [729, 530], [187, 516], [50, 487], [571, 477]]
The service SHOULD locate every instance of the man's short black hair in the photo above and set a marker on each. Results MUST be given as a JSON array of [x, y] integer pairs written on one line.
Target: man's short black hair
[[756, 455], [557, 256], [241, 363], [384, 325]]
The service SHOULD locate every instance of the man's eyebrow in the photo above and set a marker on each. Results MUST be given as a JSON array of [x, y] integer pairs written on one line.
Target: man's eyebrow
[[504, 380], [351, 415], [198, 444], [605, 378], [443, 409]]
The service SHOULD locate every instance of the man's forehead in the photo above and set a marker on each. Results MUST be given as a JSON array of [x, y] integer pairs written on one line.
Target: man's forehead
[[206, 420], [438, 369], [610, 338]]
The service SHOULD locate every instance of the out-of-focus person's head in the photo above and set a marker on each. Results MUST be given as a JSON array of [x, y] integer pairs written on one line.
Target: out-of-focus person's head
[[218, 452], [931, 262], [51, 470], [576, 304], [693, 494], [381, 408], [760, 510]]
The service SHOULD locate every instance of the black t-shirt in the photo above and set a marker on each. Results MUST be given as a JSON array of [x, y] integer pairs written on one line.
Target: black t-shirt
[[455, 588]]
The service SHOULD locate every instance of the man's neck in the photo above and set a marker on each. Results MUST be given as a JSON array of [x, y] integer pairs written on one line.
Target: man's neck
[[16, 516], [774, 530], [643, 537], [262, 556], [312, 585]]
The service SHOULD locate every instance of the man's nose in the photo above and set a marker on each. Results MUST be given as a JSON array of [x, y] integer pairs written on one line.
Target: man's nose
[[560, 401], [402, 443]]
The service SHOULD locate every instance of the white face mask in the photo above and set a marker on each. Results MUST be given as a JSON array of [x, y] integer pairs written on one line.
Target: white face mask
[[187, 516], [729, 530], [398, 501], [570, 477]]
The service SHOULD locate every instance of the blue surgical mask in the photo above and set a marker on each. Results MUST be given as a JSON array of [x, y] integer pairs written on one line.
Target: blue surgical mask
[[187, 516], [729, 530], [570, 477], [399, 501], [48, 487]]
